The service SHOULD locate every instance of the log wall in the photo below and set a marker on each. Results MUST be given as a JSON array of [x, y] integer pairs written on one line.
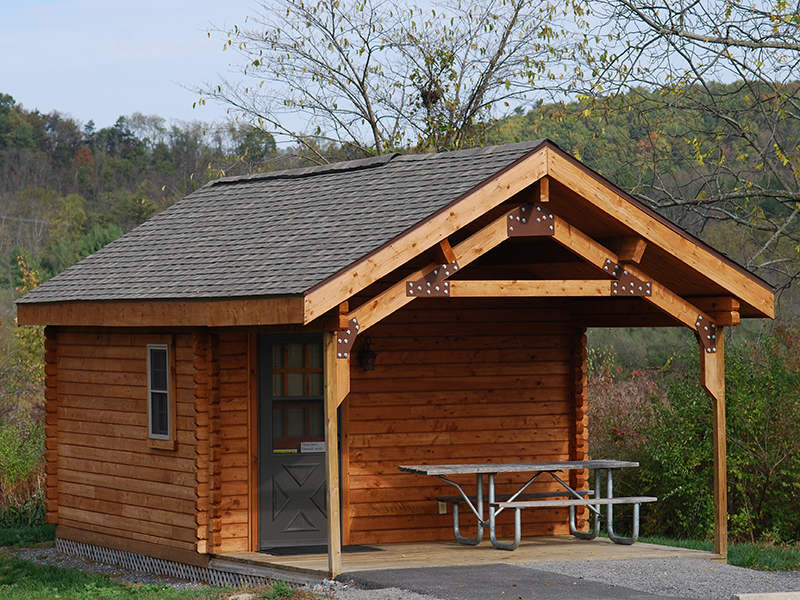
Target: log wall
[[234, 442], [456, 381], [112, 484], [463, 381]]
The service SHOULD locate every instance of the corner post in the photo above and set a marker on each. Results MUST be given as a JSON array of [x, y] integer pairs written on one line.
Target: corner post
[[332, 392], [712, 373]]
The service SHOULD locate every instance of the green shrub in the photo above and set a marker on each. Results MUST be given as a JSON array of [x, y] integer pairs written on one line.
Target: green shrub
[[664, 421], [21, 417]]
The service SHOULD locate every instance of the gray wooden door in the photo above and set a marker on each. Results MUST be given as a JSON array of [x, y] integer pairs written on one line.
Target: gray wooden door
[[292, 510]]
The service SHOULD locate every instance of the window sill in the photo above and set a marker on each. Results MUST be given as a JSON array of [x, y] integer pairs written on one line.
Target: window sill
[[162, 444]]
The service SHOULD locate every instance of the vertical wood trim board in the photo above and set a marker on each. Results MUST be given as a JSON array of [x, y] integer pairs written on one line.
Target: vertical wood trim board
[[51, 424], [712, 370], [201, 432], [236, 444], [580, 432], [214, 452], [332, 386], [252, 436]]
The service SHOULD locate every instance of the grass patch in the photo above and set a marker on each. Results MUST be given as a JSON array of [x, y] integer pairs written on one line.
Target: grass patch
[[762, 557], [27, 536], [665, 541], [25, 580], [765, 557]]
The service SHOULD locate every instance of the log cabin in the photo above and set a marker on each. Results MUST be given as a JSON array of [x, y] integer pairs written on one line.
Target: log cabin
[[207, 386]]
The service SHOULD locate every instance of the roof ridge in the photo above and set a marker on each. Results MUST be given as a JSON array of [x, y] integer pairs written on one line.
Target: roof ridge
[[299, 173], [371, 162]]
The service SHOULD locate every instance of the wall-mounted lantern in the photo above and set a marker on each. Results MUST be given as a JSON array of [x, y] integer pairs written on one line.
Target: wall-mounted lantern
[[366, 358]]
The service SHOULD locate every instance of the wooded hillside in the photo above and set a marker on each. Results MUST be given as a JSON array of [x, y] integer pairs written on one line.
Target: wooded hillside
[[67, 188]]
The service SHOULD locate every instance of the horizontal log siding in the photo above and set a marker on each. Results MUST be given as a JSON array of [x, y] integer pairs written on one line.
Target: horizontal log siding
[[110, 481], [51, 424], [234, 462], [464, 381]]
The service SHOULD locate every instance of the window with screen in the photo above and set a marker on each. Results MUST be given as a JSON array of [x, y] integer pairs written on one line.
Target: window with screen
[[158, 391], [297, 395]]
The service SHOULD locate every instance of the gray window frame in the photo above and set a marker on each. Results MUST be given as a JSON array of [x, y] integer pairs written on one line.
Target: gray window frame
[[151, 391]]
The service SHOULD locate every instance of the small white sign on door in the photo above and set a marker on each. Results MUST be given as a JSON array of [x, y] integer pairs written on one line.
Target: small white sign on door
[[309, 447]]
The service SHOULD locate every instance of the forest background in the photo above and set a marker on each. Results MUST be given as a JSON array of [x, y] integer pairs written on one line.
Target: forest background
[[716, 152]]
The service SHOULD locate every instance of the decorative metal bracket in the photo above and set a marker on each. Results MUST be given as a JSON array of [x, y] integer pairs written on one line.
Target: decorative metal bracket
[[707, 334], [530, 220], [433, 284], [627, 284], [346, 338]]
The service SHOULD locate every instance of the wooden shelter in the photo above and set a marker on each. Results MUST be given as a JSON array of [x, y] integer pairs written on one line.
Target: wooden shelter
[[204, 392]]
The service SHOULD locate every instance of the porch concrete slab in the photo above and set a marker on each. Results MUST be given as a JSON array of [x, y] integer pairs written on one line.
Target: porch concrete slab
[[453, 554]]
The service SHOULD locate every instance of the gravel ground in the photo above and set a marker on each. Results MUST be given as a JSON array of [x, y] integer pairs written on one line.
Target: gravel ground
[[672, 577], [678, 577], [675, 577]]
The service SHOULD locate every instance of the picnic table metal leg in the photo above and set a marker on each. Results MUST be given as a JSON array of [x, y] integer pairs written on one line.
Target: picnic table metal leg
[[478, 512], [492, 525], [627, 541], [592, 533]]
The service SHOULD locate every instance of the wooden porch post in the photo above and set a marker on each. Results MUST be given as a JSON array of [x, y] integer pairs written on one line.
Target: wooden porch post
[[332, 391], [712, 373]]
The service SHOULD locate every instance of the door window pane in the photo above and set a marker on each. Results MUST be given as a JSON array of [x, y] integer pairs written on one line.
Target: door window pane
[[296, 422], [295, 356], [278, 428], [315, 356], [277, 356], [297, 370], [298, 386], [315, 384]]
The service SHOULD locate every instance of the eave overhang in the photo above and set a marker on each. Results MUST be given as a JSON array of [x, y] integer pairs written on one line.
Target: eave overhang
[[588, 209]]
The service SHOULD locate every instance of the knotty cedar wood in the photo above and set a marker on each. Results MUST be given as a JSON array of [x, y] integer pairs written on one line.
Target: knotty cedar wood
[[492, 380], [114, 489], [457, 381]]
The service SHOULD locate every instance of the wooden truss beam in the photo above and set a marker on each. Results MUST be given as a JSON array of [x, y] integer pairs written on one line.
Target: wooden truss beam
[[579, 179], [462, 212], [576, 241], [660, 296], [394, 298], [632, 250], [723, 309], [583, 288]]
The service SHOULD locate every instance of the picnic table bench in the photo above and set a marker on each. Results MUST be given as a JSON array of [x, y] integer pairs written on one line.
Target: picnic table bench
[[569, 497]]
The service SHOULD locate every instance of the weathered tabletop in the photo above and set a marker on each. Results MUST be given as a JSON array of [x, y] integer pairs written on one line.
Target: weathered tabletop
[[495, 468]]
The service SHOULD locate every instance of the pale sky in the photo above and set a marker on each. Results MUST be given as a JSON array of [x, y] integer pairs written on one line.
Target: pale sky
[[99, 59]]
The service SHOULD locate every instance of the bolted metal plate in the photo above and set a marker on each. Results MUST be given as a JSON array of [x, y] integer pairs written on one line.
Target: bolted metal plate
[[530, 220], [706, 334], [345, 339], [433, 284], [626, 283]]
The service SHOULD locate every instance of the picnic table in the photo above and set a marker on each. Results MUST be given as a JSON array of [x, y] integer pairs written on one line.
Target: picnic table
[[568, 497]]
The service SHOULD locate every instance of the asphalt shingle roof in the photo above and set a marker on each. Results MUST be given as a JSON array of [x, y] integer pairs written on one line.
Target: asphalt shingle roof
[[276, 234]]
